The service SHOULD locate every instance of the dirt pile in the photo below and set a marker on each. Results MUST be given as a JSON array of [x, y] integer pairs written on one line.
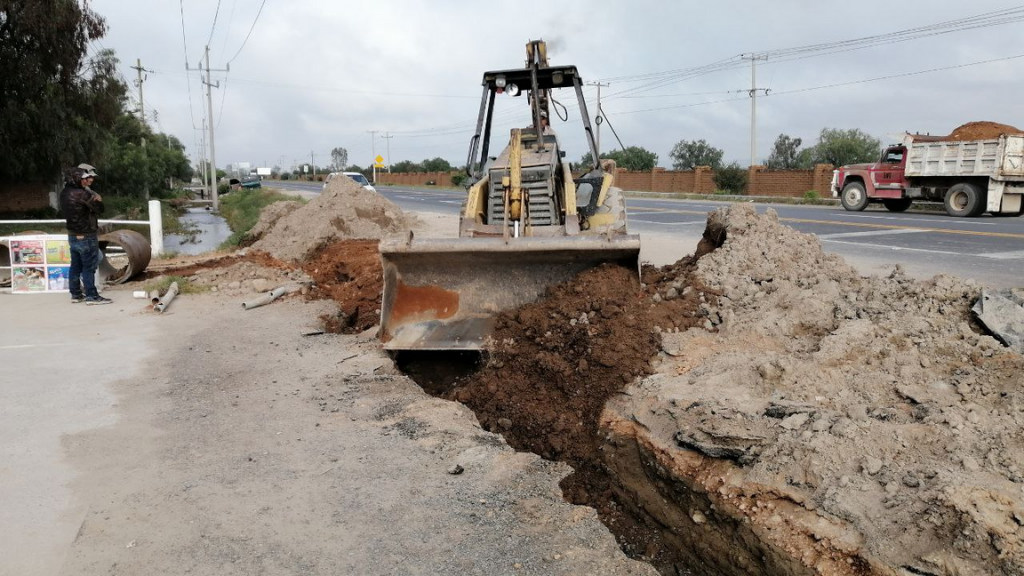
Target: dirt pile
[[976, 131], [349, 272], [834, 423], [269, 217], [344, 211]]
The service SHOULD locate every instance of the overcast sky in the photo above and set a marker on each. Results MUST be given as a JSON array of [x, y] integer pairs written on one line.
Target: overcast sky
[[320, 74]]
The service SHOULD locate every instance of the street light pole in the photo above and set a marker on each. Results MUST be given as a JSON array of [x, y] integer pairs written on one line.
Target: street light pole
[[388, 137], [373, 146]]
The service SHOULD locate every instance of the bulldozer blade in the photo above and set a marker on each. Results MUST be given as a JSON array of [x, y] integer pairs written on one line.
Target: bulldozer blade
[[443, 294]]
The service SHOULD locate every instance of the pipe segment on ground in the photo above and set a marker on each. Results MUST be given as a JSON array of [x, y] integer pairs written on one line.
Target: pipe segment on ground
[[266, 298], [167, 298]]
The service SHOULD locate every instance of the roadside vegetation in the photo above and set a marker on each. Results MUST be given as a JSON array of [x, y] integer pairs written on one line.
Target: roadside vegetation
[[242, 210], [162, 283]]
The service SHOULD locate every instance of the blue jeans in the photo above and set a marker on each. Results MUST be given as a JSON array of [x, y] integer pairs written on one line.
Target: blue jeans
[[85, 257]]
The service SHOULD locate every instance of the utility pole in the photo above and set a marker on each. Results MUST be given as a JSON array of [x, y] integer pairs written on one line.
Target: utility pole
[[373, 146], [312, 162], [142, 110], [753, 103], [600, 114], [387, 136], [209, 104]]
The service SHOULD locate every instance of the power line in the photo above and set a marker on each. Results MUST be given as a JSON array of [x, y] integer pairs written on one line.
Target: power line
[[214, 27], [250, 32], [191, 112], [227, 33]]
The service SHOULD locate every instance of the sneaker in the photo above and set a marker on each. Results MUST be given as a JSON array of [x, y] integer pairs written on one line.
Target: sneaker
[[77, 299], [97, 301]]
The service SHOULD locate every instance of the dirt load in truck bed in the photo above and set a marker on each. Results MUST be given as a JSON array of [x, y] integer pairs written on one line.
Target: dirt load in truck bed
[[972, 131]]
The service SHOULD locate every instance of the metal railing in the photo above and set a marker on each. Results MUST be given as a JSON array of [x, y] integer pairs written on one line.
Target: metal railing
[[155, 223]]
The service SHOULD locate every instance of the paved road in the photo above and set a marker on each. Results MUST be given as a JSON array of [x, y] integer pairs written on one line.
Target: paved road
[[988, 249]]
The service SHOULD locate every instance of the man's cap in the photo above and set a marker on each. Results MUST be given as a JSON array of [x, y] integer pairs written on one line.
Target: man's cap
[[88, 171]]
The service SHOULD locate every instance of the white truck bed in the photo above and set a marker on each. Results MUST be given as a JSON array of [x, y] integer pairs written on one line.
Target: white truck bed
[[1000, 159]]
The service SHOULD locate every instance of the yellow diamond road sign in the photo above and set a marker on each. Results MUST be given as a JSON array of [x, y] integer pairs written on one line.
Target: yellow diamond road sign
[[379, 161]]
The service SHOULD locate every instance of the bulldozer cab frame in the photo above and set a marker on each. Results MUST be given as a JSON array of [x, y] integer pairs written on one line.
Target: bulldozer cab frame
[[537, 80]]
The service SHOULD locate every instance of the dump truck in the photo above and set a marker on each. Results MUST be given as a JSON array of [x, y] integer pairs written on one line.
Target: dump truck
[[527, 222], [970, 177]]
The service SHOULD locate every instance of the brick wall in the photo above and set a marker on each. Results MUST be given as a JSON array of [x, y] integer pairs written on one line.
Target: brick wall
[[760, 180], [15, 198], [416, 178]]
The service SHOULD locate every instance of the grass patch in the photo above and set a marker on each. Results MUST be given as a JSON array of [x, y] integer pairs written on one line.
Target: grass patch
[[242, 210], [185, 286]]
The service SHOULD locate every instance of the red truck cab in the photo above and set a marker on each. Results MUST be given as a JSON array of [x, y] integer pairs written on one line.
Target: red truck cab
[[857, 185]]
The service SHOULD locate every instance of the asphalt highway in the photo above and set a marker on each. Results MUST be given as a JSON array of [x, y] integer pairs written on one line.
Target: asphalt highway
[[987, 249]]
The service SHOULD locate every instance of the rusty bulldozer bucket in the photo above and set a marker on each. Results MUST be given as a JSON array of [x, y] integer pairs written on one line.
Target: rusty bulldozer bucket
[[443, 294]]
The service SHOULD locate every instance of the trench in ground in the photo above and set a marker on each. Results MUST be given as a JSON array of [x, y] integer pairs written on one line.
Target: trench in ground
[[640, 536]]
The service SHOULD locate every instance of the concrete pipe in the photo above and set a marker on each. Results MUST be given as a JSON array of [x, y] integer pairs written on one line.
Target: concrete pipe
[[265, 299], [128, 256], [5, 264], [167, 298]]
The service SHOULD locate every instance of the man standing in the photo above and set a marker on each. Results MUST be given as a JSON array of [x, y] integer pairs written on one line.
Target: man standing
[[80, 207]]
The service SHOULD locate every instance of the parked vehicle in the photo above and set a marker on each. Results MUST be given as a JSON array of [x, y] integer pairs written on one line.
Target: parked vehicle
[[970, 177], [353, 175]]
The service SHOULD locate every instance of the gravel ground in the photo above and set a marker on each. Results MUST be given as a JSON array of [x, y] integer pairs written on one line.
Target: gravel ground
[[247, 448]]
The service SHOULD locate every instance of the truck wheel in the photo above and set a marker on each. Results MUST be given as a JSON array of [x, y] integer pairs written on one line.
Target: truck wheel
[[897, 204], [854, 198], [964, 200]]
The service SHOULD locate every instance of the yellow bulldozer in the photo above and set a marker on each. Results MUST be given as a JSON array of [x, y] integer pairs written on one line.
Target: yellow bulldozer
[[527, 223]]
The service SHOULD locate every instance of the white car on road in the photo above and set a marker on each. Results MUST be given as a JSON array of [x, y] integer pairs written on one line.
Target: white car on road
[[353, 175]]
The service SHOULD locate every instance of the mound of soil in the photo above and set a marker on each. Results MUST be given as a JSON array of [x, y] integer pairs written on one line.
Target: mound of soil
[[269, 217], [350, 273], [977, 131], [344, 211], [843, 422]]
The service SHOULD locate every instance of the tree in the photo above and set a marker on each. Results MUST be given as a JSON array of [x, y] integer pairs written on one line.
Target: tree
[[731, 178], [786, 154], [129, 169], [406, 166], [687, 155], [436, 165], [339, 157], [56, 105], [841, 147], [635, 158]]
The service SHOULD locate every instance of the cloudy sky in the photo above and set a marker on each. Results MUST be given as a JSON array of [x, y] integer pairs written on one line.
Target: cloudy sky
[[317, 74]]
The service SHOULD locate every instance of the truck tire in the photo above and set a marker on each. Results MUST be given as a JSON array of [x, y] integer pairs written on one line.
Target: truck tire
[[854, 198], [964, 200], [897, 204]]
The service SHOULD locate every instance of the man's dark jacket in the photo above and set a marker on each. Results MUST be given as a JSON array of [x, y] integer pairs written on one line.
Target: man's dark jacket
[[80, 208]]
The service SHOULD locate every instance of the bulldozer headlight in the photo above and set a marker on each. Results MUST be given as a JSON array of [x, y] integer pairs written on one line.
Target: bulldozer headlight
[[500, 81], [513, 89]]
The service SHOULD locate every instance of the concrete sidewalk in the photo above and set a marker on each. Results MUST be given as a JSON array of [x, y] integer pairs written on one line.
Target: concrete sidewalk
[[59, 360]]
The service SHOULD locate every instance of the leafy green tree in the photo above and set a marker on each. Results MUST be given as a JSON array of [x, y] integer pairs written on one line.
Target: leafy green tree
[[56, 104], [731, 178], [406, 166], [786, 154], [436, 165], [687, 155], [129, 169], [339, 158], [635, 158], [841, 147]]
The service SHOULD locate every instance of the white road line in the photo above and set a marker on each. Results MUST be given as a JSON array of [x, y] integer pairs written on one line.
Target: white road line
[[870, 233], [957, 221], [695, 222], [896, 248], [1014, 255]]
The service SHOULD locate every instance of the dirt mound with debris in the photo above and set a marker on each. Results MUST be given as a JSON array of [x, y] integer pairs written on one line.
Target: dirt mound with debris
[[344, 211], [832, 422], [269, 217], [350, 273], [977, 131]]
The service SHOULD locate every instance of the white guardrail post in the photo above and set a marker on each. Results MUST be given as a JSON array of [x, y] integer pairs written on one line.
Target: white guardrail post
[[156, 228]]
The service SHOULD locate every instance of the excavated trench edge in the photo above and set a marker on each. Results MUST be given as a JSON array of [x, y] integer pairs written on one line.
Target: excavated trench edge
[[640, 536]]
